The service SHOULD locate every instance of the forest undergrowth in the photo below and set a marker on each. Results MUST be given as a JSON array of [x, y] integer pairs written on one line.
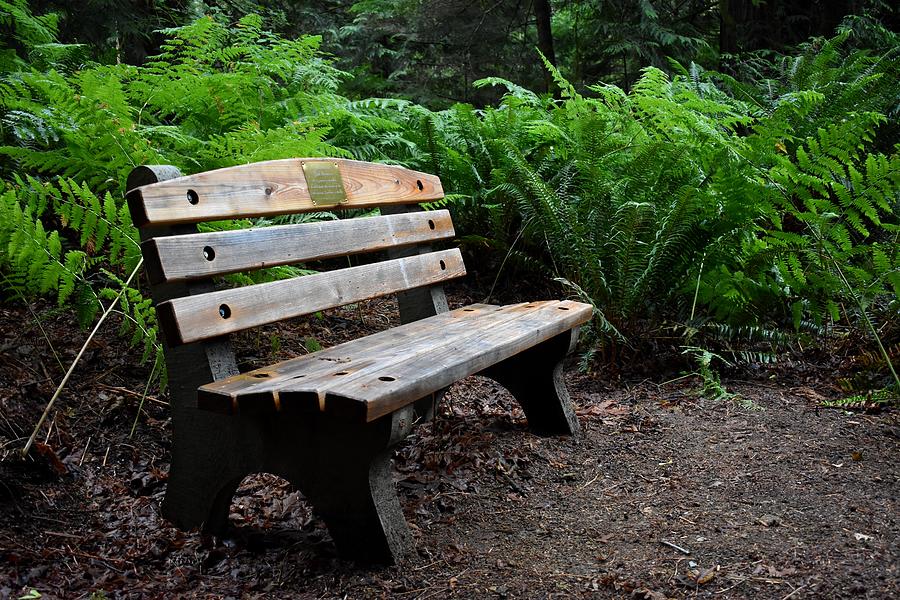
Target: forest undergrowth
[[725, 218]]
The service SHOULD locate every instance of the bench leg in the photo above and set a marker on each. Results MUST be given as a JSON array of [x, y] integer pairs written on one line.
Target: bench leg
[[344, 470], [535, 378], [359, 504], [214, 453]]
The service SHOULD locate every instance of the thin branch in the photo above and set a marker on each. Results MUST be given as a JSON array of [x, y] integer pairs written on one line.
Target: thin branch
[[62, 384]]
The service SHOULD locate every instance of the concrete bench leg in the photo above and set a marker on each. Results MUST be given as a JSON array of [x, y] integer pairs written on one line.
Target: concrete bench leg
[[211, 454], [344, 470], [361, 509], [535, 378]]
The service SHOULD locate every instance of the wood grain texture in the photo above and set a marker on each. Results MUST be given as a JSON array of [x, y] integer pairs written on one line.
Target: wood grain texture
[[195, 318], [256, 392], [379, 391], [181, 257], [419, 303], [418, 359], [273, 188]]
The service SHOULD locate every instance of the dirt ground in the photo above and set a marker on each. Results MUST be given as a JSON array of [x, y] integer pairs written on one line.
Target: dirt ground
[[665, 495]]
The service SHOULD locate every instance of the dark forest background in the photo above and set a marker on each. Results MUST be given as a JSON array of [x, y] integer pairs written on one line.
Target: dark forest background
[[431, 51]]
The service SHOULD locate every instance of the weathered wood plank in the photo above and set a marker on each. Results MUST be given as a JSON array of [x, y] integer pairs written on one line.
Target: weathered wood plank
[[377, 391], [419, 303], [201, 255], [194, 318], [273, 188], [304, 384], [257, 391]]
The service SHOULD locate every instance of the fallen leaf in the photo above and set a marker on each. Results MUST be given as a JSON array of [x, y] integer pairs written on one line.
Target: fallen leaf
[[47, 452], [707, 575]]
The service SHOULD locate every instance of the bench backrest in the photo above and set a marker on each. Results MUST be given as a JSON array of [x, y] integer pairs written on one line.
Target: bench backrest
[[175, 253]]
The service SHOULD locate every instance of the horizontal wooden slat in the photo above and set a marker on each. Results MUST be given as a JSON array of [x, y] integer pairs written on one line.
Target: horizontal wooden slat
[[379, 390], [257, 391], [194, 318], [193, 256], [418, 358], [273, 188]]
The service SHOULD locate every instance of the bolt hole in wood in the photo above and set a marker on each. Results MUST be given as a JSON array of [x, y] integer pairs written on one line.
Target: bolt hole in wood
[[268, 191], [386, 378], [430, 224], [224, 311], [261, 375], [193, 197], [208, 253], [419, 185], [443, 266]]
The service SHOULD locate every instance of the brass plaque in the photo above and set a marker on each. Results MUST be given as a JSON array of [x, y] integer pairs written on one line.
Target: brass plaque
[[323, 180]]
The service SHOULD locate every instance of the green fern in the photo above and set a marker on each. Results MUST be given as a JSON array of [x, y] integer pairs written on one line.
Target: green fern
[[34, 260]]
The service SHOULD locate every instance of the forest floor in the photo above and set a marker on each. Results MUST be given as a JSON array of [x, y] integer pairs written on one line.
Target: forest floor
[[666, 494]]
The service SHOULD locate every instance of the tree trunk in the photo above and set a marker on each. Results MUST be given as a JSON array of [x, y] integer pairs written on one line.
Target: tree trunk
[[727, 29], [543, 13]]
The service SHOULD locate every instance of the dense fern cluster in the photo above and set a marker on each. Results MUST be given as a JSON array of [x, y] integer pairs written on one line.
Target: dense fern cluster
[[216, 96], [695, 202], [680, 198], [695, 198]]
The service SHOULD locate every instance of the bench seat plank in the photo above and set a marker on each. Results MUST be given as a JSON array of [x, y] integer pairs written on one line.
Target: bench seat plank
[[382, 390], [274, 187], [257, 391], [200, 255], [369, 377], [204, 316]]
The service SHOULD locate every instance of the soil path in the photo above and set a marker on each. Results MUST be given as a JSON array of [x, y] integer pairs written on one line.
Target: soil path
[[665, 495]]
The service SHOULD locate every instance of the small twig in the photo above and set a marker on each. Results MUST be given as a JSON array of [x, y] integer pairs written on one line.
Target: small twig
[[862, 309], [49, 430], [106, 455], [61, 534], [431, 564], [65, 379], [37, 321], [127, 392], [503, 262], [611, 488], [697, 288], [675, 547], [590, 482], [733, 586], [83, 454], [794, 592], [143, 396], [659, 385]]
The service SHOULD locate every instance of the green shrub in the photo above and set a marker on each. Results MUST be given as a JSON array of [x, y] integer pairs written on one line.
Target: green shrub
[[695, 201], [215, 97]]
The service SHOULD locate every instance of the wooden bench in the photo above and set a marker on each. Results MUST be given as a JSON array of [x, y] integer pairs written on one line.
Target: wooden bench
[[326, 421]]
